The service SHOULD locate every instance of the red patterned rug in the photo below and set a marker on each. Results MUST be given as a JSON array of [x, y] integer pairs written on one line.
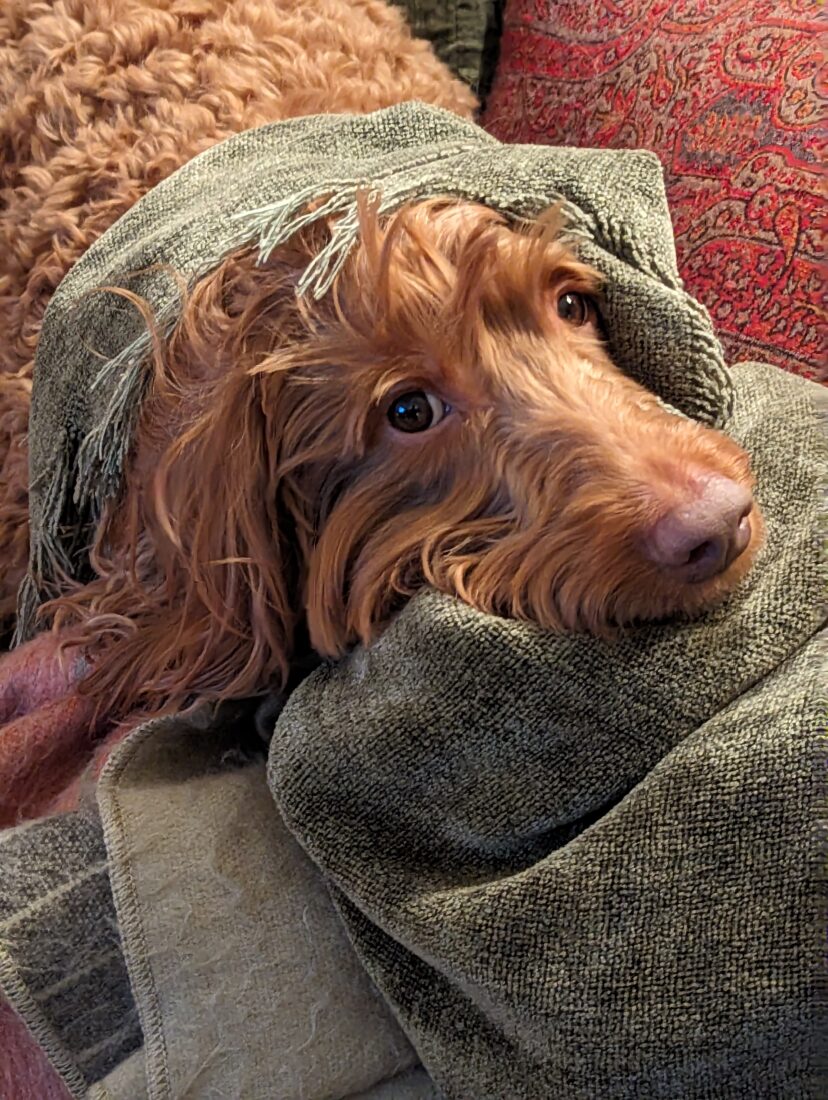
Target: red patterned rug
[[726, 92]]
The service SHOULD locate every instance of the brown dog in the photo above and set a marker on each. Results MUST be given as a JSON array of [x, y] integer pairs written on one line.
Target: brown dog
[[447, 415]]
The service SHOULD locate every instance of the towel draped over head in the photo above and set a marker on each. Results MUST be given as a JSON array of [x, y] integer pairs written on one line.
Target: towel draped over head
[[260, 187]]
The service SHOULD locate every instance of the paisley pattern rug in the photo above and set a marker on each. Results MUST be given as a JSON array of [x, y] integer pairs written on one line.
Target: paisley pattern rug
[[727, 93]]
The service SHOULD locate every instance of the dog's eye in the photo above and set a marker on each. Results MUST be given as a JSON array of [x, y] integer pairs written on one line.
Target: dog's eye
[[416, 411], [575, 308]]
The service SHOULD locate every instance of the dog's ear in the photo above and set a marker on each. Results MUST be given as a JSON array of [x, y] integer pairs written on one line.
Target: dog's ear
[[230, 527], [199, 565]]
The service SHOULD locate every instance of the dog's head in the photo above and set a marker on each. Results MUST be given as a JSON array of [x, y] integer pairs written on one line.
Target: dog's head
[[448, 415]]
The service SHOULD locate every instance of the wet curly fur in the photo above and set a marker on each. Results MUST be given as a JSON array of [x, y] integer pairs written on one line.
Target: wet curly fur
[[272, 494]]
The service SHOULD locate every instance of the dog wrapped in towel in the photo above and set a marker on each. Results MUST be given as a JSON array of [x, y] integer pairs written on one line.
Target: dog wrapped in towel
[[261, 188], [571, 866], [580, 868]]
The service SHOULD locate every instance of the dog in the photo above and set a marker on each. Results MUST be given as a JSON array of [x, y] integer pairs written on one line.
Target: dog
[[447, 415]]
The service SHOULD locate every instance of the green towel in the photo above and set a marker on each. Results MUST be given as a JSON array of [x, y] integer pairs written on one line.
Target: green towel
[[580, 869], [255, 188]]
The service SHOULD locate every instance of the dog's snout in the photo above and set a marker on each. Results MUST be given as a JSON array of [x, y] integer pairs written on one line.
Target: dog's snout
[[700, 538]]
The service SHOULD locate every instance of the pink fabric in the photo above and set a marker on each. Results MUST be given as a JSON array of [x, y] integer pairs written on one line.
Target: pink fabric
[[51, 746], [51, 740], [48, 733], [25, 1073]]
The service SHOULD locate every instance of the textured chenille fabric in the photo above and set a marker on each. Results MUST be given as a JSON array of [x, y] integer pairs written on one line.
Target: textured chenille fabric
[[255, 189], [61, 962], [464, 34], [580, 868]]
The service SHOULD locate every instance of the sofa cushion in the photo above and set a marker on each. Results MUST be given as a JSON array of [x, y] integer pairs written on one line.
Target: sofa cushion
[[725, 93]]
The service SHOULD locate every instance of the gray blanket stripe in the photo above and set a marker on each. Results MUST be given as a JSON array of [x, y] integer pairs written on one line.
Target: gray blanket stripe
[[62, 965]]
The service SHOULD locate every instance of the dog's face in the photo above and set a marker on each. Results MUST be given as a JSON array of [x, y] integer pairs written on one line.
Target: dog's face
[[451, 417], [448, 415]]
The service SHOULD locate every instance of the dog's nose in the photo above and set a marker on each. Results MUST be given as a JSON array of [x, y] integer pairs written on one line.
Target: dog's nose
[[700, 539]]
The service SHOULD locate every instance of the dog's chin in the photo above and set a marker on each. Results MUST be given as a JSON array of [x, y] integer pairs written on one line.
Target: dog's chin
[[643, 598], [649, 598]]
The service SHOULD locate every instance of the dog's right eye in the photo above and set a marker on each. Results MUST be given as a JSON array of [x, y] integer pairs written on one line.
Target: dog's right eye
[[416, 411], [576, 308]]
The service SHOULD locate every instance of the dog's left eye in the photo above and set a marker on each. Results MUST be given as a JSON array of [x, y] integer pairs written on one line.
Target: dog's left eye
[[416, 411], [575, 308]]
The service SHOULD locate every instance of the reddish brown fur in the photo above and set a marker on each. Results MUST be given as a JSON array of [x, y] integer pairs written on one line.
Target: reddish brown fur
[[102, 99], [268, 489]]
